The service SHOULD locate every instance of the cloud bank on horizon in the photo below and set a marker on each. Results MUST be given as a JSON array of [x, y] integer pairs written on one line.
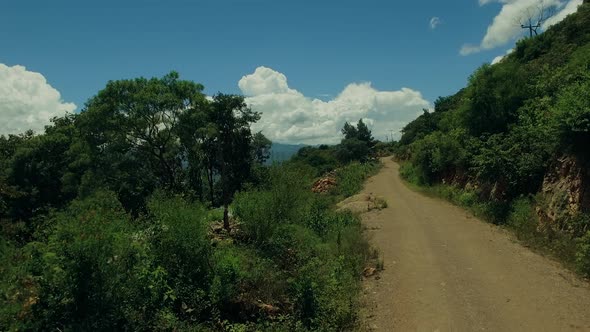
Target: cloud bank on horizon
[[506, 27], [27, 101], [290, 117]]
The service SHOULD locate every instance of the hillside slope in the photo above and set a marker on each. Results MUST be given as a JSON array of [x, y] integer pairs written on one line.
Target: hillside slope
[[514, 141]]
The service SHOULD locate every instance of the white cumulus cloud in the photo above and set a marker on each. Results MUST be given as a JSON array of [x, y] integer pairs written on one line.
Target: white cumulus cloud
[[435, 22], [27, 101], [506, 26], [569, 8], [500, 57], [290, 117]]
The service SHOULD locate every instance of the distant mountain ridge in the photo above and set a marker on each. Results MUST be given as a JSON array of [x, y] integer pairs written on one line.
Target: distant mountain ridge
[[280, 152]]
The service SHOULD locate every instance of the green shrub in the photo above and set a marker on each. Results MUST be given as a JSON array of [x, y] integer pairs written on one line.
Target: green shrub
[[573, 112], [411, 173], [438, 153], [282, 201], [243, 280], [467, 198], [292, 245], [93, 274], [583, 254], [325, 296], [351, 178], [322, 159], [253, 210], [317, 215], [523, 219], [228, 274], [579, 224], [181, 247]]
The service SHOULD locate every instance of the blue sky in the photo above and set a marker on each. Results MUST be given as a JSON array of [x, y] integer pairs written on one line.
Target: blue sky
[[320, 46]]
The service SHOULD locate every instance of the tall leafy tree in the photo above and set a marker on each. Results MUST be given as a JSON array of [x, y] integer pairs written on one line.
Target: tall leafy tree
[[231, 118], [357, 142], [349, 131], [36, 166], [260, 148], [131, 133], [364, 134]]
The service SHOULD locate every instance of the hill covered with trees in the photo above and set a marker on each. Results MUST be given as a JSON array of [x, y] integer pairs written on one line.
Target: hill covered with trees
[[153, 209], [513, 144]]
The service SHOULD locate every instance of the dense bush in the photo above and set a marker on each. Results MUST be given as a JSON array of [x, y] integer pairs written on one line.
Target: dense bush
[[91, 274], [177, 232], [320, 159], [352, 177], [98, 268]]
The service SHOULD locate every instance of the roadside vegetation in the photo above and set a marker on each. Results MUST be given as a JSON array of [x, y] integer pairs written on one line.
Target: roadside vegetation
[[512, 146], [153, 209]]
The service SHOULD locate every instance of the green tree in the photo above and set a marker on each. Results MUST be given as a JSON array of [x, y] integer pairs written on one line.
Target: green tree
[[352, 149], [260, 148], [130, 131], [357, 143], [425, 124], [364, 134], [36, 167], [349, 131], [231, 118], [573, 114]]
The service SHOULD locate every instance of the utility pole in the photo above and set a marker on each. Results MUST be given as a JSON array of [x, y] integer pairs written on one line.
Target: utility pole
[[532, 28], [535, 16], [391, 133]]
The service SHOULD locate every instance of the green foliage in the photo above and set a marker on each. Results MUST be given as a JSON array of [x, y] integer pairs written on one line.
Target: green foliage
[[383, 149], [583, 254], [425, 124], [573, 113], [33, 168], [490, 146], [262, 210], [92, 273], [351, 178], [109, 219], [322, 253], [436, 154], [357, 143], [522, 217], [321, 159], [493, 96], [351, 149], [99, 270], [177, 231], [412, 174]]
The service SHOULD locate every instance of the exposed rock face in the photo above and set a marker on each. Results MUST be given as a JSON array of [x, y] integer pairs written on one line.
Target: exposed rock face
[[565, 192]]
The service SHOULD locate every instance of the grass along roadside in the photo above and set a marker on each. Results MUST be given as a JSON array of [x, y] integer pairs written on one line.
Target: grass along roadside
[[517, 216]]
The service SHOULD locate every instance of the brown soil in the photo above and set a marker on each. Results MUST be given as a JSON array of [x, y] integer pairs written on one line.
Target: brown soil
[[448, 271]]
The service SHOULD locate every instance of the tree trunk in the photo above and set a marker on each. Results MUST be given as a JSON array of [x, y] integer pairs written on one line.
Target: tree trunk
[[210, 180], [226, 217], [225, 193]]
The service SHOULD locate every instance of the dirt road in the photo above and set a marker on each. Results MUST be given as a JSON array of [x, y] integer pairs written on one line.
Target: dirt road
[[448, 271]]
